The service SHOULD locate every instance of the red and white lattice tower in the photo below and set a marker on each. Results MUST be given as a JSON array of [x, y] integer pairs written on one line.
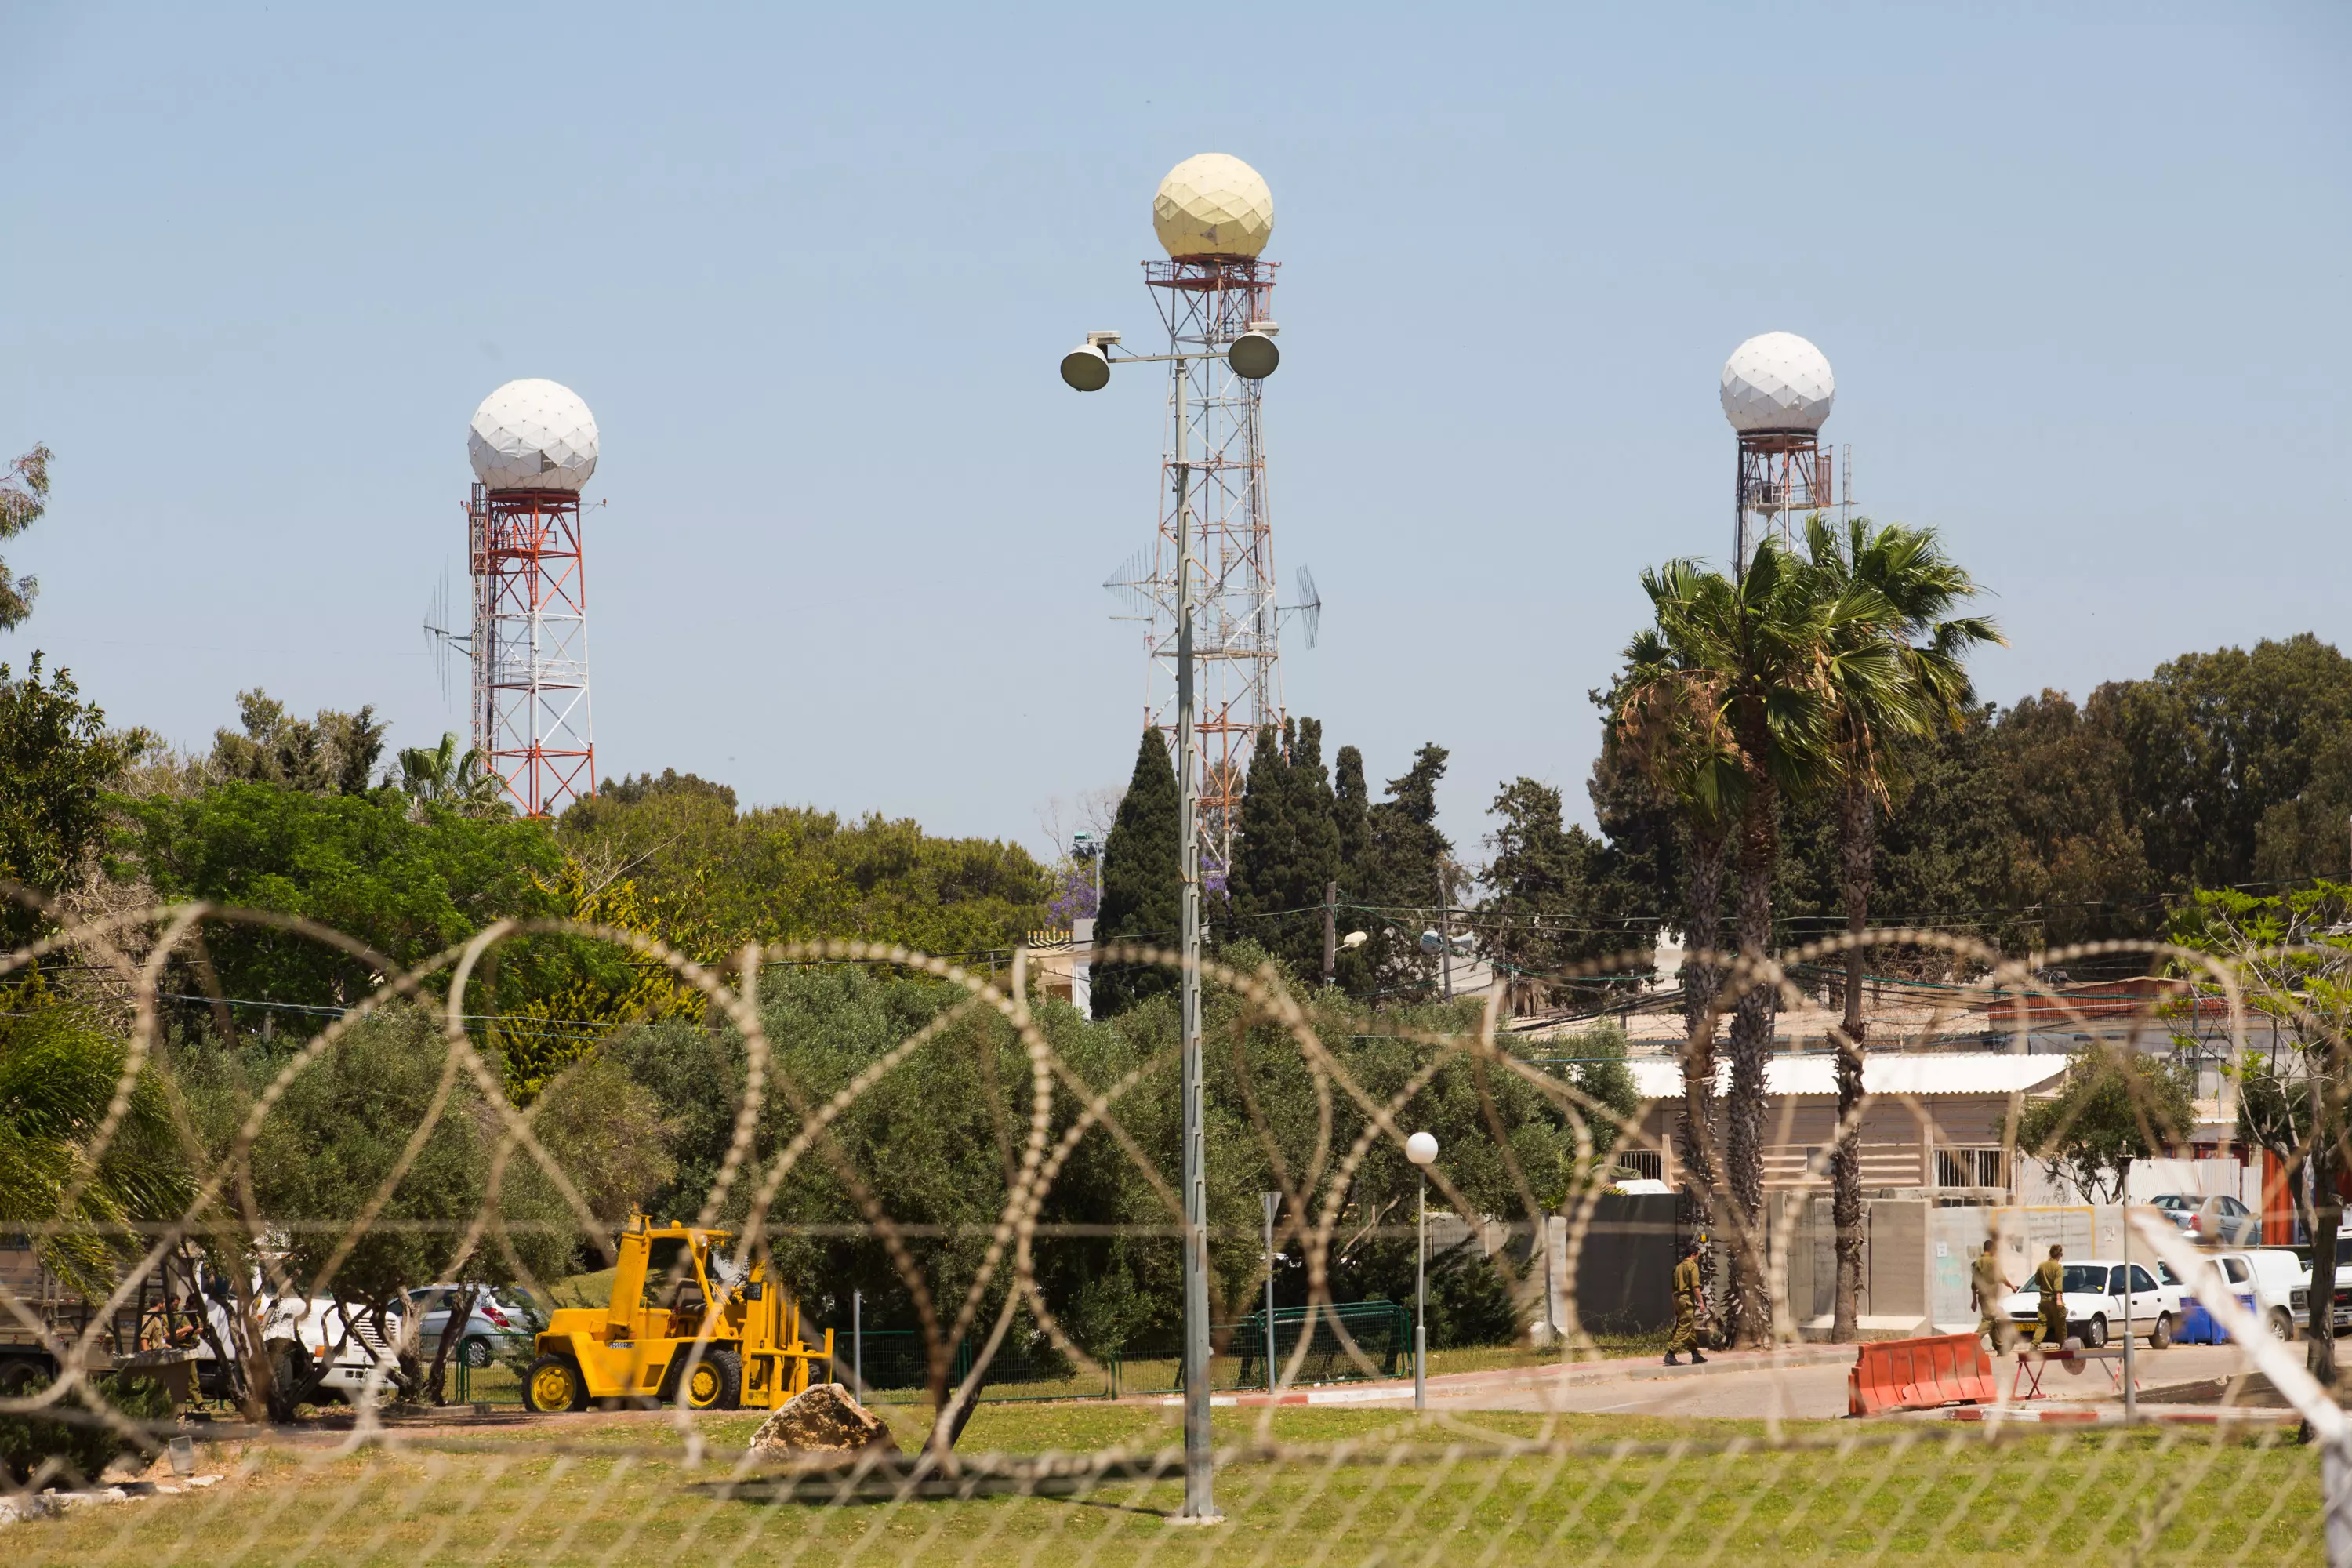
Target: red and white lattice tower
[[1214, 214], [1777, 393], [533, 445]]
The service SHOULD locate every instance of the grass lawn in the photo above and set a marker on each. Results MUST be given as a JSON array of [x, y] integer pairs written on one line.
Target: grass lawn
[[1336, 1486]]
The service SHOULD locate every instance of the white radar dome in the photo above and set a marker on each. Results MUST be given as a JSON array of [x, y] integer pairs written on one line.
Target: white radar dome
[[1777, 381], [532, 435], [1213, 204]]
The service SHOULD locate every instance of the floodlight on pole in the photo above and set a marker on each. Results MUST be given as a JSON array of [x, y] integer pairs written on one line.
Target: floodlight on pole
[[1422, 1149], [1088, 369]]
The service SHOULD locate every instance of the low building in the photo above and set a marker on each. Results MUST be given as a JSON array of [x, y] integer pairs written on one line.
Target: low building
[[1935, 1121]]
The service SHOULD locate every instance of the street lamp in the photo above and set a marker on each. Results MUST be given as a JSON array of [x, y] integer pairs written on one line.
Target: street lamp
[[1422, 1149], [1087, 368]]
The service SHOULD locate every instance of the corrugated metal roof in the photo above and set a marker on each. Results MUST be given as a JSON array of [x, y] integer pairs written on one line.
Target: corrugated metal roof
[[1975, 1072]]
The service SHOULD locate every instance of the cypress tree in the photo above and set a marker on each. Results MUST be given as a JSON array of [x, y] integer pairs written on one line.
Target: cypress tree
[[1398, 868], [1143, 881], [1351, 800], [1264, 844]]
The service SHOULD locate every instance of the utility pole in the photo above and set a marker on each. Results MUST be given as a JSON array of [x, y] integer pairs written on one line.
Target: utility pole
[[1444, 936], [1200, 1492], [1330, 932]]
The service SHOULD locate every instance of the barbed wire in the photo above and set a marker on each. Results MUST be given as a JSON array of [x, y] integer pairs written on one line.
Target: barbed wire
[[1519, 1460]]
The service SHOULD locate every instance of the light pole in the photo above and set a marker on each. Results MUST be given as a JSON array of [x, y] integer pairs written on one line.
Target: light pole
[[1087, 368], [1273, 1202], [1422, 1149]]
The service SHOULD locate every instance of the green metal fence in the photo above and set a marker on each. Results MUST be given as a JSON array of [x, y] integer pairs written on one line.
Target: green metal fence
[[894, 1364]]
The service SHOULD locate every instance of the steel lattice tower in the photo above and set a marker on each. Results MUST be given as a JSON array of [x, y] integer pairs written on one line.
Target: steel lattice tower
[[1206, 302], [529, 646]]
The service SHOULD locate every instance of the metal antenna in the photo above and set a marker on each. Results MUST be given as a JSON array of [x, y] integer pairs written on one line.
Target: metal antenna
[[1309, 608], [439, 638], [1131, 585]]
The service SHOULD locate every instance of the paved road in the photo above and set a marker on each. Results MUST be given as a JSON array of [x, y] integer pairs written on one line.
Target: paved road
[[1743, 1386]]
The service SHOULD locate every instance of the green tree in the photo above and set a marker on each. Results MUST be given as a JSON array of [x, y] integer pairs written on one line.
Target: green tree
[[1287, 852], [2114, 1107], [1667, 733], [59, 1071], [56, 760], [1538, 908], [332, 753], [443, 774], [711, 877], [1142, 898], [405, 884], [2212, 742], [24, 497], [2292, 957], [1926, 644], [1752, 669], [340, 1132], [1351, 807], [1398, 872]]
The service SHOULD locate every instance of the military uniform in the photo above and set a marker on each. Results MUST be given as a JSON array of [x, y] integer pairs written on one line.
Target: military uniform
[[1685, 1307], [1990, 1289], [2049, 1278]]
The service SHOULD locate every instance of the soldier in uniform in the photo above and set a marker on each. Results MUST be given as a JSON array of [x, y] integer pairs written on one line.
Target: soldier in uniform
[[1687, 1301], [1988, 1286], [2049, 1278]]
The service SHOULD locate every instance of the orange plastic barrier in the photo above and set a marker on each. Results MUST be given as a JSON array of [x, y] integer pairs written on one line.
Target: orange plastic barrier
[[1919, 1374]]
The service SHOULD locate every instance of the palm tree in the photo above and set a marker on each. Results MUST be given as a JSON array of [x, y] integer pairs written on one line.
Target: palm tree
[[1664, 723], [58, 1073], [441, 773], [1757, 668], [1907, 569]]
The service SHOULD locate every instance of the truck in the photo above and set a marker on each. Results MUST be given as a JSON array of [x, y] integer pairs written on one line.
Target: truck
[[302, 1335]]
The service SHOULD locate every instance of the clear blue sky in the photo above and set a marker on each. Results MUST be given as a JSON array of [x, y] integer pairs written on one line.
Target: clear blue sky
[[2085, 273]]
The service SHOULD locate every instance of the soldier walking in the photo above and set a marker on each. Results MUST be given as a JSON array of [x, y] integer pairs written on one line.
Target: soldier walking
[[2050, 1280], [1687, 1302], [1988, 1287]]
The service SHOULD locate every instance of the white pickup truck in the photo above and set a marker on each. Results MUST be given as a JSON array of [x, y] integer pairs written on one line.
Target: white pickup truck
[[2301, 1300], [316, 1328], [2276, 1279]]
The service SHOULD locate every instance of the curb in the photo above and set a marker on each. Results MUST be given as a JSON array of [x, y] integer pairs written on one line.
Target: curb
[[1555, 1374]]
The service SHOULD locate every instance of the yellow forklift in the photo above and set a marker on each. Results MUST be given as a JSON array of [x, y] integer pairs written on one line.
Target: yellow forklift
[[672, 1285]]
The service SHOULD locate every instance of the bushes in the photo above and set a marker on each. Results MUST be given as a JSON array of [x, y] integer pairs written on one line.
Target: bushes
[[71, 1435]]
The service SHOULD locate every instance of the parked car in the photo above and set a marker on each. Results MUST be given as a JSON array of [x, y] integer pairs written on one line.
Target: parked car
[[2266, 1283], [2094, 1294], [506, 1319], [2300, 1301], [2217, 1221]]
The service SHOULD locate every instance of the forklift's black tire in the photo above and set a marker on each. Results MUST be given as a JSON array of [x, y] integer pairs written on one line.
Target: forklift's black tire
[[553, 1383], [717, 1384]]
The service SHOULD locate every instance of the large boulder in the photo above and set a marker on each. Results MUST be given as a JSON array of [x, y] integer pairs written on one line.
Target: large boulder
[[824, 1421]]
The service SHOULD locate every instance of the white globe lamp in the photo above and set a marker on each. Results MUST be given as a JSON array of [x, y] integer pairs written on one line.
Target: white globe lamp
[[1778, 381], [532, 435], [1421, 1149]]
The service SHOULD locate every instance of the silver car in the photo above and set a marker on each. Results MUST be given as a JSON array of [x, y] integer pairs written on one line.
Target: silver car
[[506, 1321]]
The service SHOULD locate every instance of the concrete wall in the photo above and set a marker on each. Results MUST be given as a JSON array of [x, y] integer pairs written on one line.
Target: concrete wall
[[1623, 1276]]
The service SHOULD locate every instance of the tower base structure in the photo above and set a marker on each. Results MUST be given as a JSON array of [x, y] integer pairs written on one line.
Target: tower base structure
[[530, 644], [1783, 474]]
